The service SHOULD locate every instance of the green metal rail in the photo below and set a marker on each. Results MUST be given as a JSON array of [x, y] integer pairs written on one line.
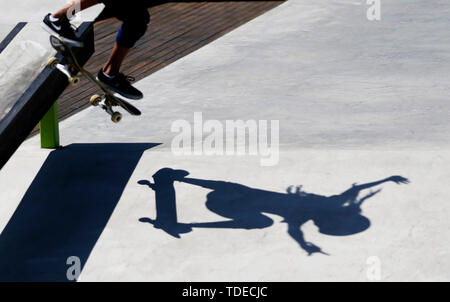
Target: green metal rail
[[49, 128]]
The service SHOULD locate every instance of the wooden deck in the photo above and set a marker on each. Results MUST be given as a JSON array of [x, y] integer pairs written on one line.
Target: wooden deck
[[176, 29]]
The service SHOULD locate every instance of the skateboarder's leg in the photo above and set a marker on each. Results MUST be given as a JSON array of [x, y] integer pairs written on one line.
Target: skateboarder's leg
[[131, 31], [111, 76], [81, 4], [135, 19], [114, 62]]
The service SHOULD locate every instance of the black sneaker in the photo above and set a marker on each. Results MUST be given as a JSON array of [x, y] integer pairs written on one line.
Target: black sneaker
[[62, 28], [120, 83]]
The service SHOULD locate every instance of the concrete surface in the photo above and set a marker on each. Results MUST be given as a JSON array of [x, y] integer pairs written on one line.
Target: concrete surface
[[4, 30], [357, 102]]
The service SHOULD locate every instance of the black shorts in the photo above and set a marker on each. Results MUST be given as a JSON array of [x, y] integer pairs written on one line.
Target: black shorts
[[134, 15]]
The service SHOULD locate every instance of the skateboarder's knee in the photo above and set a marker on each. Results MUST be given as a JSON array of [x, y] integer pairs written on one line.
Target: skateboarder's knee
[[131, 31]]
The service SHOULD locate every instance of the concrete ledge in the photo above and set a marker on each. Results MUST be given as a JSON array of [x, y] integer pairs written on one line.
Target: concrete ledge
[[37, 100]]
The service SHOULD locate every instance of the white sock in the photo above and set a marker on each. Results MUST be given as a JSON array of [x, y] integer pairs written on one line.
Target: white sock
[[108, 76], [53, 19]]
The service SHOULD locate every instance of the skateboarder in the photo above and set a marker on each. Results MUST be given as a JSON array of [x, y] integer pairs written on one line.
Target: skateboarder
[[135, 18]]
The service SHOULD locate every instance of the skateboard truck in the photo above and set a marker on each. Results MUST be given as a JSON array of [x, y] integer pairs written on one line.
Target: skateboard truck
[[54, 63], [96, 99], [107, 106]]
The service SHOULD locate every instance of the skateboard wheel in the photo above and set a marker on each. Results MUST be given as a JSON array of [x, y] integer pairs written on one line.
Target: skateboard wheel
[[52, 62], [74, 81], [116, 117], [95, 99]]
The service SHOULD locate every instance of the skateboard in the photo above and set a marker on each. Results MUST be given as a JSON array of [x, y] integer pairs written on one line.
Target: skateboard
[[69, 66]]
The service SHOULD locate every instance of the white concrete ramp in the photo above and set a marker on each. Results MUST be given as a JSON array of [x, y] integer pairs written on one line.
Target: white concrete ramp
[[357, 102], [5, 29]]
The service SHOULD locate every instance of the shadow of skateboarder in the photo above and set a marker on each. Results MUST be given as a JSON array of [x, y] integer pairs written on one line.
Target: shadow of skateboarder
[[336, 215]]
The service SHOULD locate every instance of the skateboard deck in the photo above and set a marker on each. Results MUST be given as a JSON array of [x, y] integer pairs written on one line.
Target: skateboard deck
[[69, 66]]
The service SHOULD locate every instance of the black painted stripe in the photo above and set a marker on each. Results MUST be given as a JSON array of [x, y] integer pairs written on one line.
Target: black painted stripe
[[12, 35]]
